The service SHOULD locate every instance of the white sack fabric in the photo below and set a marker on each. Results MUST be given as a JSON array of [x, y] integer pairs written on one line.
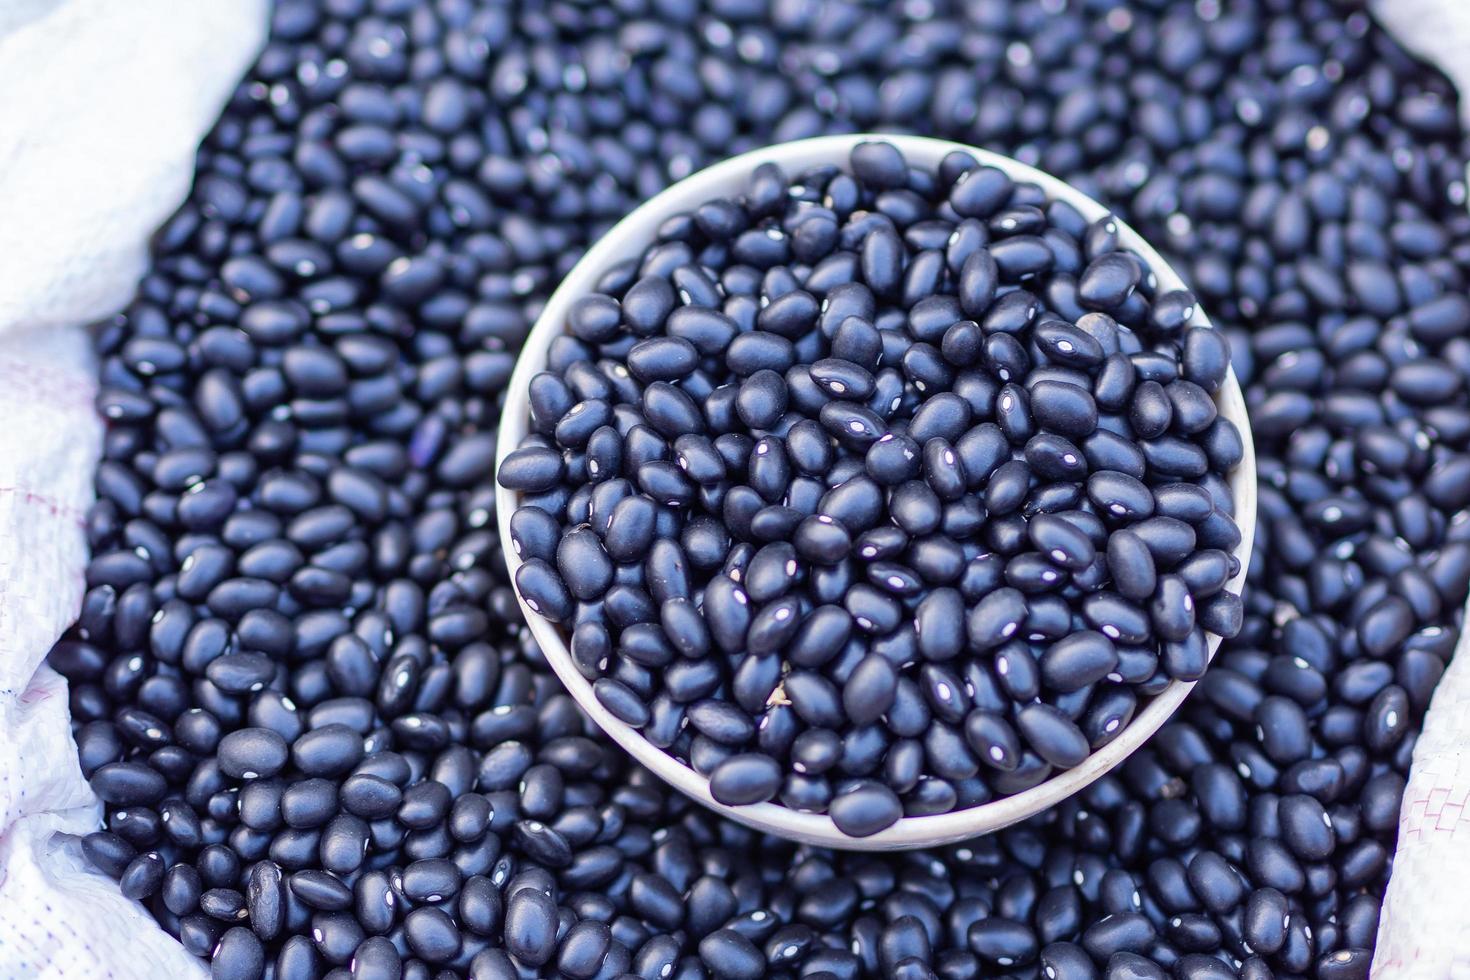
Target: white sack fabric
[[1424, 929], [102, 107]]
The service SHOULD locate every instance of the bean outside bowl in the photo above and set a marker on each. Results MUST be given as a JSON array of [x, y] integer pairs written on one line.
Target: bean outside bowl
[[629, 237]]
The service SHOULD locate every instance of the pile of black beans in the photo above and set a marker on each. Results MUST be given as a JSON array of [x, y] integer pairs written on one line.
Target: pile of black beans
[[885, 489], [299, 678]]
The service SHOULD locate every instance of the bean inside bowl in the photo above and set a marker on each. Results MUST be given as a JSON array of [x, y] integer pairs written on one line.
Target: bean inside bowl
[[926, 379]]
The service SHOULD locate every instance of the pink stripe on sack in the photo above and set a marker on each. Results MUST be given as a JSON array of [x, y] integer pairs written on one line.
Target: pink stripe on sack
[[48, 503], [27, 381]]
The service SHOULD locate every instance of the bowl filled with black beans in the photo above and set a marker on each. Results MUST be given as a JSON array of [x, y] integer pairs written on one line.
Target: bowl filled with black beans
[[876, 491]]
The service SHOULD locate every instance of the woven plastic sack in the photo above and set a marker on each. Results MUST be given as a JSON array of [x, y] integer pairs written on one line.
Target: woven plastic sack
[[102, 105], [1424, 930]]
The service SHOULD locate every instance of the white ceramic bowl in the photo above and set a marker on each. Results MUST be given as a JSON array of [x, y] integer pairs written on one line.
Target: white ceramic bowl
[[628, 238]]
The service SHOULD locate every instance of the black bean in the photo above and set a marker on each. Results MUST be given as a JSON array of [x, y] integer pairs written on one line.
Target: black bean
[[265, 900], [583, 565], [344, 844], [882, 258], [1078, 660], [993, 739], [1172, 609], [143, 876], [377, 958], [530, 927], [1120, 495], [1064, 408], [238, 956], [1305, 826], [870, 689], [1021, 256], [1266, 917], [879, 164], [1121, 932], [1052, 735], [893, 459], [321, 890], [1168, 539], [996, 618], [128, 784], [940, 623], [479, 905], [865, 809], [331, 750], [1221, 614], [249, 753], [431, 880], [432, 935], [1131, 564], [731, 956], [978, 192], [623, 702], [1108, 280], [1004, 942], [582, 951], [1206, 357], [542, 589], [364, 794], [760, 350], [314, 360], [181, 888], [531, 468], [1150, 410], [1061, 541], [1215, 882]]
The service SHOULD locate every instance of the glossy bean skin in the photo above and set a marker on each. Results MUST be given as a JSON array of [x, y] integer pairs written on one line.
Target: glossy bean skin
[[891, 507], [313, 366]]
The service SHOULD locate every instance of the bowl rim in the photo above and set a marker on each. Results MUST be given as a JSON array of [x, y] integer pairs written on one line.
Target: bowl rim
[[629, 237]]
